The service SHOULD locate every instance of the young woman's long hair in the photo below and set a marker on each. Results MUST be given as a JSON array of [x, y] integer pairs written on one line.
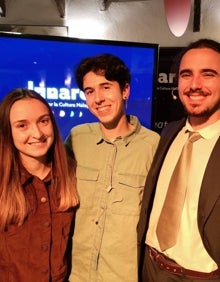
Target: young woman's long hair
[[14, 207]]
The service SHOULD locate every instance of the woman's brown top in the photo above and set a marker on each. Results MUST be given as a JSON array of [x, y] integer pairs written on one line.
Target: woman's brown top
[[36, 251]]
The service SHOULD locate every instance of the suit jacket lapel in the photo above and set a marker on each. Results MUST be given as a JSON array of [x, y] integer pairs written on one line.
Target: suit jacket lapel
[[210, 189]]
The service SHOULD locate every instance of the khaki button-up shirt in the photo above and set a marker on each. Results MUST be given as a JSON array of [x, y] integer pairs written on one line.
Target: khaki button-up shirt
[[110, 180]]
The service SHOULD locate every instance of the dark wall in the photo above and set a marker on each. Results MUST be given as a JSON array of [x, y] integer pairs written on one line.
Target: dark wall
[[166, 105]]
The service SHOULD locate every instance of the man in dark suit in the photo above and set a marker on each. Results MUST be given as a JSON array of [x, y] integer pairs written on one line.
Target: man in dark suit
[[195, 253]]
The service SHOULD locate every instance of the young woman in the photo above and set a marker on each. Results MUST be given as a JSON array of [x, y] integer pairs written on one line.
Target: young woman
[[37, 191]]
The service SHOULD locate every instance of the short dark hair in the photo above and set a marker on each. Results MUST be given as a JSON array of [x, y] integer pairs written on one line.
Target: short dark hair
[[111, 66], [201, 43]]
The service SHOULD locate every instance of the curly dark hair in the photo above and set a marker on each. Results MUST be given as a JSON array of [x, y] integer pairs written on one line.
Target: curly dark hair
[[112, 67]]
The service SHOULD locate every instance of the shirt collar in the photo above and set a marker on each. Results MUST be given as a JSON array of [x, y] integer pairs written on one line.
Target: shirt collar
[[133, 120], [207, 132], [27, 177]]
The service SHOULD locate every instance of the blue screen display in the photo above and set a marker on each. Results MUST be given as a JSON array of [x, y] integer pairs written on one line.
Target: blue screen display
[[46, 64]]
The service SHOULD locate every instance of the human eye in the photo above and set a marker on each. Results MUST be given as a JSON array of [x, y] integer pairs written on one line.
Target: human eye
[[20, 125], [209, 74], [88, 91], [45, 120], [106, 87], [185, 74]]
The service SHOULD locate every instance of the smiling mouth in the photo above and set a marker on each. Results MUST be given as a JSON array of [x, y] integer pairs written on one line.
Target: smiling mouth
[[196, 93], [196, 97], [38, 142], [102, 109]]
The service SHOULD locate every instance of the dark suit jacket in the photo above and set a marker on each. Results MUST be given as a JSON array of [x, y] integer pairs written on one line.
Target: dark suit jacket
[[209, 199]]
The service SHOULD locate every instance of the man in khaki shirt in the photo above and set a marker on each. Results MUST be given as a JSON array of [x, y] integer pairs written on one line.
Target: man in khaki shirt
[[113, 158]]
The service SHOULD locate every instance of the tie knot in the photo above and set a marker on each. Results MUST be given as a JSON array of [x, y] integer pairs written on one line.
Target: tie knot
[[193, 136]]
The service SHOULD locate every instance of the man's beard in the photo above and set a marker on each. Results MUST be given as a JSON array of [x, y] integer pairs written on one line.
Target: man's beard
[[205, 113]]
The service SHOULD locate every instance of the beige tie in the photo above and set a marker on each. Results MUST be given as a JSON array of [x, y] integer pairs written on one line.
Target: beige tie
[[169, 220]]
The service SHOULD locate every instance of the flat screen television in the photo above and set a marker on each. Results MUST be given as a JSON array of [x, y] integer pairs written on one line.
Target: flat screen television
[[46, 64]]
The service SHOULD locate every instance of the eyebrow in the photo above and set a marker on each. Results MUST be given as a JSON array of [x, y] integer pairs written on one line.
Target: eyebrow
[[39, 118], [184, 70], [203, 70], [100, 84], [210, 70]]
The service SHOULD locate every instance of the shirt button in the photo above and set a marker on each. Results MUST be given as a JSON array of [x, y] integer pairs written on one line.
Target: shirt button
[[45, 248], [47, 224], [43, 200], [45, 271]]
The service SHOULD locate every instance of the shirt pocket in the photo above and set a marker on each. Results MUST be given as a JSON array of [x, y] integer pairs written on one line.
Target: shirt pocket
[[127, 197], [15, 244], [87, 179]]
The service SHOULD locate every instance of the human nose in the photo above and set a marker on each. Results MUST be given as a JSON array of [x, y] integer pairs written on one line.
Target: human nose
[[36, 131], [196, 82], [98, 96]]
